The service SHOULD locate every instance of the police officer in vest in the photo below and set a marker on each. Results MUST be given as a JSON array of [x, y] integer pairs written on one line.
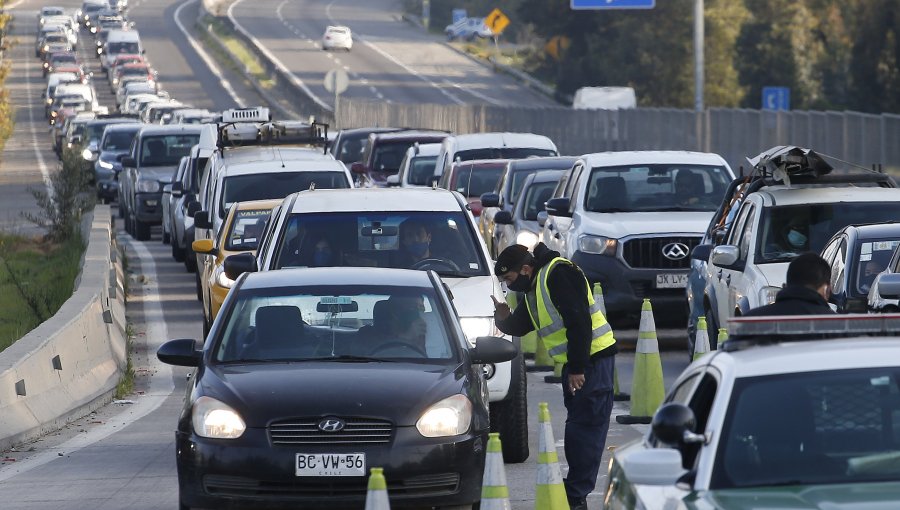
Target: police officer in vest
[[559, 305]]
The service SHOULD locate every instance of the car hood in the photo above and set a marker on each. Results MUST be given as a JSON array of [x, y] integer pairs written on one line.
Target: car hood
[[160, 173], [618, 225], [111, 155], [262, 393], [775, 274], [472, 296], [849, 496]]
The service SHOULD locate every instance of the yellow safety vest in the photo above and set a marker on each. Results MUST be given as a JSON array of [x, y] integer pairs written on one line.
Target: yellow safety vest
[[549, 324]]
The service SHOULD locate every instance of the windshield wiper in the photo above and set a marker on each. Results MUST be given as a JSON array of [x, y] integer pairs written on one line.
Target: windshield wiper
[[676, 209], [453, 274], [612, 209], [779, 258], [349, 357]]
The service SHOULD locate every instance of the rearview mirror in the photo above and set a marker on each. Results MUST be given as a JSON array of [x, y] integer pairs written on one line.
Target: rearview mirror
[[393, 180], [177, 189], [492, 349], [192, 208], [179, 352], [558, 207], [490, 200], [203, 246], [701, 252], [724, 256], [503, 218], [201, 219], [542, 218], [238, 264], [889, 286]]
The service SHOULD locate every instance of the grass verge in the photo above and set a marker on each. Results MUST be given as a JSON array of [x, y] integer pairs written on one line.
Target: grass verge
[[126, 384], [36, 278], [7, 112], [214, 35]]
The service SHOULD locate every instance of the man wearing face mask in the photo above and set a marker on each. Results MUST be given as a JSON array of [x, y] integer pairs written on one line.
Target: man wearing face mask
[[415, 242], [806, 290], [560, 306]]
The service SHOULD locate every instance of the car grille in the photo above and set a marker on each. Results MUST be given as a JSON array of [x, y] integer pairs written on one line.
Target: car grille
[[425, 485], [646, 252], [306, 431]]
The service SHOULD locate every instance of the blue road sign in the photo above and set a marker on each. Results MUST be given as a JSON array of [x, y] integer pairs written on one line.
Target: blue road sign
[[459, 14], [776, 98], [613, 4]]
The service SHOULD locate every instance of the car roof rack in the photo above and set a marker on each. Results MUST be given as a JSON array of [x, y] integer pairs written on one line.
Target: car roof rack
[[745, 332], [241, 127]]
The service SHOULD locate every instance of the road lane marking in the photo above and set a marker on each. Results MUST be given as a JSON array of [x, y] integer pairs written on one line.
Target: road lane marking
[[42, 165], [213, 68], [161, 384]]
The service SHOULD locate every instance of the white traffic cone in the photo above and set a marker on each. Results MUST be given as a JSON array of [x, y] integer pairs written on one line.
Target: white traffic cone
[[377, 496], [701, 339], [550, 493], [494, 493]]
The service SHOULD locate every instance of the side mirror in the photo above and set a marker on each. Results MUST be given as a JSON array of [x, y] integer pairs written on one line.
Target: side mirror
[[179, 352], [128, 161], [238, 264], [558, 207], [358, 168], [724, 256], [490, 349], [177, 189], [204, 246], [193, 208], [889, 286], [490, 200], [201, 219], [503, 218], [542, 218], [393, 180], [701, 252]]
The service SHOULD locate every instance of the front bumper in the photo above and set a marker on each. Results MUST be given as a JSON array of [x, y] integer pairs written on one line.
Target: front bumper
[[250, 473], [624, 289], [148, 207], [108, 189]]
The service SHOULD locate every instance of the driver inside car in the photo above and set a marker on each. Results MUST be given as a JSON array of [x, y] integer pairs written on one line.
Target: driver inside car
[[415, 243], [403, 328]]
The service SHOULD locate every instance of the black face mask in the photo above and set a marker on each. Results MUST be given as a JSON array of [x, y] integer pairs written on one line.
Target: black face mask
[[522, 283]]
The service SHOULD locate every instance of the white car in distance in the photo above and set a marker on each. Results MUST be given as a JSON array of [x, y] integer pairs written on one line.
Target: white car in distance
[[337, 37]]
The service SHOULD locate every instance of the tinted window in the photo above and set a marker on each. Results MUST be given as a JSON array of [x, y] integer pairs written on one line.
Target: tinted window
[[472, 181], [656, 188], [501, 153], [388, 156], [871, 258], [241, 188], [351, 147], [839, 426], [166, 150], [421, 170], [123, 47], [535, 197], [443, 241], [518, 180], [787, 231], [118, 140], [327, 322]]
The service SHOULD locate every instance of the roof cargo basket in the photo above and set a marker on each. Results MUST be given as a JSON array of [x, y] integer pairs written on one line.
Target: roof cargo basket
[[254, 114], [786, 161]]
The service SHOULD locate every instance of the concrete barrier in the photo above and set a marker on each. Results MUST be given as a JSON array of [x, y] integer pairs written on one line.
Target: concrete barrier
[[70, 364]]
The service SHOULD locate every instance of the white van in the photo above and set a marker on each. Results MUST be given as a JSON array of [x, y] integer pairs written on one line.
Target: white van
[[78, 88], [492, 146], [120, 42], [604, 98]]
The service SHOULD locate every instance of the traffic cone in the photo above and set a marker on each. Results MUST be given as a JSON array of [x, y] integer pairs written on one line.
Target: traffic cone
[[723, 336], [494, 493], [528, 343], [701, 341], [377, 496], [647, 390], [550, 493]]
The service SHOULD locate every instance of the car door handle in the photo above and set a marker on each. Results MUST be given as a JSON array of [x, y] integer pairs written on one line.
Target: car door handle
[[550, 227], [556, 235], [728, 280], [720, 275]]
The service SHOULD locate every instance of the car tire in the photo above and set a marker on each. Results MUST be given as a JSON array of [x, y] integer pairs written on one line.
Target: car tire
[[141, 230], [712, 327], [177, 251], [510, 417]]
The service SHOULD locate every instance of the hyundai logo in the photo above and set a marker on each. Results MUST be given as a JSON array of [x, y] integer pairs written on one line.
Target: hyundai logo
[[675, 251], [331, 425]]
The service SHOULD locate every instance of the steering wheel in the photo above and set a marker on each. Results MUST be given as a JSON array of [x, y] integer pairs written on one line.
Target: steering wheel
[[398, 345], [436, 264]]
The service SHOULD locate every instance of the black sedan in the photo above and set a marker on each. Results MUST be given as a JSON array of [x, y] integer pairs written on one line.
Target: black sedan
[[310, 377], [857, 254]]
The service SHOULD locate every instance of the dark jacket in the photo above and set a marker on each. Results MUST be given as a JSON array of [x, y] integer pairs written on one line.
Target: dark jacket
[[794, 300], [568, 292]]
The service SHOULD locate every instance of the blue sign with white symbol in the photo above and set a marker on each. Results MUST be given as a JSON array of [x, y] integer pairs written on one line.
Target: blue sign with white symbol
[[459, 14], [776, 98], [613, 4]]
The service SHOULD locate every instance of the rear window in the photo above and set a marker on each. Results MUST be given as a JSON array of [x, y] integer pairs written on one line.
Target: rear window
[[122, 47], [241, 188], [502, 153], [117, 140], [388, 156], [421, 170], [473, 181], [166, 150], [656, 188]]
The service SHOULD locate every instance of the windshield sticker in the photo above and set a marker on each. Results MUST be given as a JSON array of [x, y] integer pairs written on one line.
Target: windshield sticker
[[881, 381], [335, 300], [865, 258], [884, 245], [473, 265]]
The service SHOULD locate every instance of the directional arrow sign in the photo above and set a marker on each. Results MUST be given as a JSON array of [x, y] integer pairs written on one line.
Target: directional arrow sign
[[613, 4], [496, 21]]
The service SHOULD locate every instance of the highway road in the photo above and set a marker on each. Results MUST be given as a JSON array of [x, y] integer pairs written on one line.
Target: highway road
[[123, 457]]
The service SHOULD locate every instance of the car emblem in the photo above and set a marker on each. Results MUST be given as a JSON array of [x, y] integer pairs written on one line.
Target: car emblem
[[331, 425], [675, 251]]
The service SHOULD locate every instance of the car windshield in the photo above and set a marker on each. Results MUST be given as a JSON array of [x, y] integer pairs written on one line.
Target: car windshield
[[655, 188], [809, 428], [421, 170], [263, 186], [166, 150], [501, 153], [442, 241], [63, 59], [117, 140], [871, 258], [388, 156], [245, 229], [133, 71], [123, 47], [787, 231], [343, 323], [472, 181], [535, 197]]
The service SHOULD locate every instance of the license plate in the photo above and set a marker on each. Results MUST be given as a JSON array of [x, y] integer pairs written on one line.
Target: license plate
[[671, 281], [151, 203], [331, 464]]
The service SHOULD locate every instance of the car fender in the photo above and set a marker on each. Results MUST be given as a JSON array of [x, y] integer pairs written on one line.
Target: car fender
[[742, 306]]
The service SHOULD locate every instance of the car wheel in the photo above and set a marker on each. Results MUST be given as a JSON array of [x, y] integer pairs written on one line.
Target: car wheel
[[712, 328], [510, 417], [141, 230], [177, 251]]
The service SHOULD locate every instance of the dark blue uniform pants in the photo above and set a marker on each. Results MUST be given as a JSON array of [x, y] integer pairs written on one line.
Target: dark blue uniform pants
[[587, 423]]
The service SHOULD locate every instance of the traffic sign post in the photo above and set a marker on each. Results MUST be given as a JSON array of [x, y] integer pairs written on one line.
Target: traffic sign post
[[776, 98], [336, 82], [613, 4], [496, 21]]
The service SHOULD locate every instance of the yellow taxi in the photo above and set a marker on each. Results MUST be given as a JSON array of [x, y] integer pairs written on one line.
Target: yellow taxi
[[241, 232]]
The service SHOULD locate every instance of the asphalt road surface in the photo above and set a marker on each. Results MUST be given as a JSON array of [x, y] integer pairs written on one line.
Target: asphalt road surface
[[123, 457]]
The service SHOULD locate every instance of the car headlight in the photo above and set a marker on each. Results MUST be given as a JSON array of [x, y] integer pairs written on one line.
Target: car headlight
[[46, 48], [767, 295], [222, 280], [106, 164], [87, 154], [215, 420], [527, 239], [597, 245], [147, 186], [49, 101], [449, 417], [474, 327]]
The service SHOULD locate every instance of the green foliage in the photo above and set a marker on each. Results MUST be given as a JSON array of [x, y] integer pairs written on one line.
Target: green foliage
[[69, 197]]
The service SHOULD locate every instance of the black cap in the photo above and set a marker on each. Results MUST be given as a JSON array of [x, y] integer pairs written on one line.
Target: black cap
[[510, 259]]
